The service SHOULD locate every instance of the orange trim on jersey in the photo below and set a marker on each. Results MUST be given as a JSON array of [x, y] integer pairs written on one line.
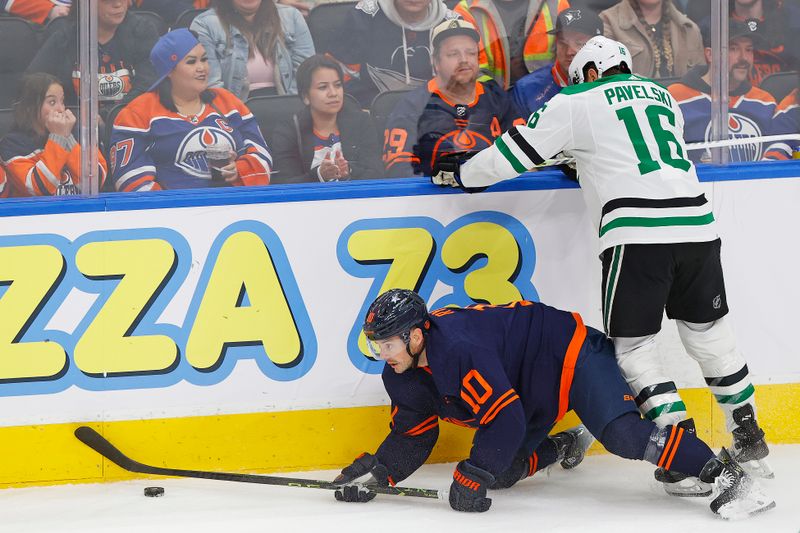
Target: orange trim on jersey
[[462, 423], [681, 92], [433, 87], [568, 370], [391, 481], [442, 312], [509, 396], [426, 369], [426, 425], [391, 417], [138, 183], [533, 462]]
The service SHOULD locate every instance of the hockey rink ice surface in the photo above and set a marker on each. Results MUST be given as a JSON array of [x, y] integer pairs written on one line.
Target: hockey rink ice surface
[[604, 494]]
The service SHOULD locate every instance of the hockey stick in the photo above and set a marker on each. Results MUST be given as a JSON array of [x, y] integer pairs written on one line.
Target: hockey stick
[[101, 445]]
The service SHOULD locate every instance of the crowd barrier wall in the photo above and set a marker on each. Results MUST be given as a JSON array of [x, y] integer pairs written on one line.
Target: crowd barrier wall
[[219, 329]]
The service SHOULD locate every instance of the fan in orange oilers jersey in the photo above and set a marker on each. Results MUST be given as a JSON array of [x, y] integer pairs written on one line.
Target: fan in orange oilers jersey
[[160, 139]]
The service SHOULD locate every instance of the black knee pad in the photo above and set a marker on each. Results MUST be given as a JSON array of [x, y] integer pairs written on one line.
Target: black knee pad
[[627, 436]]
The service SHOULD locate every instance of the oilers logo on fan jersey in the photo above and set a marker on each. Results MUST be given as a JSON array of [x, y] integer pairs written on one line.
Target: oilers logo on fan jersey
[[191, 155], [739, 127], [425, 125], [155, 148]]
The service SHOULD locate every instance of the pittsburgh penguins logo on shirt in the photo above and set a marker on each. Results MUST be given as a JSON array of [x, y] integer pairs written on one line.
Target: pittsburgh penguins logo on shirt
[[191, 154]]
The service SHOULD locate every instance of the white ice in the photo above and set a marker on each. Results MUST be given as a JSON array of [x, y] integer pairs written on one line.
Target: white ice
[[604, 494]]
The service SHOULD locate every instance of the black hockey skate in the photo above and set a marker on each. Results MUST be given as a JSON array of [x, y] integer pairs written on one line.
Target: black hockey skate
[[571, 445], [749, 446], [682, 485], [736, 493]]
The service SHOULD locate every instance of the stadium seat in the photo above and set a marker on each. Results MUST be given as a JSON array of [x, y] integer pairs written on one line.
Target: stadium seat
[[271, 110], [382, 106], [19, 43], [6, 121], [326, 22], [162, 26], [185, 19], [781, 83]]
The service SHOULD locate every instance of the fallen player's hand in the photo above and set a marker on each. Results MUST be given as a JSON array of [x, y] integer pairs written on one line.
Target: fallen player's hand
[[468, 490], [365, 464]]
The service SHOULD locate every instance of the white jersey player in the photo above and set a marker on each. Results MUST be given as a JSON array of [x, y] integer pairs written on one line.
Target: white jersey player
[[656, 229]]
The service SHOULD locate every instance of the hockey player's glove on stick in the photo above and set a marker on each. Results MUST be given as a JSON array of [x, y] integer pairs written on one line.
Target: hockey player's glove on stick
[[468, 490], [446, 170], [101, 445], [365, 464]]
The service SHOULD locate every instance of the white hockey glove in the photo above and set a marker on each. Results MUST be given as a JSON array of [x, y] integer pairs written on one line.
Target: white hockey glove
[[446, 171]]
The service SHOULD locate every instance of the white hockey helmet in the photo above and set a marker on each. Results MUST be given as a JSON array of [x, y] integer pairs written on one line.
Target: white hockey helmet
[[605, 53]]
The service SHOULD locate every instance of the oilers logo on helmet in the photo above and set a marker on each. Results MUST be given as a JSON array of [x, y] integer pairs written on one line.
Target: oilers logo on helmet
[[191, 154]]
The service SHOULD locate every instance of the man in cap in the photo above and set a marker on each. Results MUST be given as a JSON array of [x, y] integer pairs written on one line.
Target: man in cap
[[750, 109], [453, 112], [573, 28]]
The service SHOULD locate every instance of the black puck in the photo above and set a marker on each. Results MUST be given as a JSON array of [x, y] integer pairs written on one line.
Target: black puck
[[153, 492]]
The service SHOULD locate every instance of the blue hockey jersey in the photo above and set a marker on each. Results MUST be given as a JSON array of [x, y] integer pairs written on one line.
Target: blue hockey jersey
[[533, 90], [154, 148], [504, 370], [750, 115], [787, 120], [425, 125]]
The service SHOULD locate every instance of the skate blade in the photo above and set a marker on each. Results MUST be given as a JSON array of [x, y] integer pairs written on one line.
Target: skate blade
[[738, 510], [688, 488], [758, 468]]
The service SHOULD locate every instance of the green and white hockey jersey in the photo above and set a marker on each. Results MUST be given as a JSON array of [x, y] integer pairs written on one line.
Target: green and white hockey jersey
[[626, 135]]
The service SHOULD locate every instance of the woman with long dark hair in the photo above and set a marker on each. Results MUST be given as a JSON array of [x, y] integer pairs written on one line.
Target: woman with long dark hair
[[181, 134], [41, 154], [254, 46], [331, 139]]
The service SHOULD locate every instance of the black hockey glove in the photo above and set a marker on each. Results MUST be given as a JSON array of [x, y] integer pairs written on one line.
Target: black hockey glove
[[365, 464], [447, 168], [468, 490]]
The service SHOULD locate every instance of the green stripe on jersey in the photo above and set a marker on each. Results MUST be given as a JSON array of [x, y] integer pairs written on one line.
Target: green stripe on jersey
[[736, 398], [655, 412], [510, 157], [647, 222]]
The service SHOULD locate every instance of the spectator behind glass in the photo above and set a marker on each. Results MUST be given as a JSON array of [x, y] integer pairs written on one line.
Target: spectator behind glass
[[40, 153], [663, 41], [779, 24], [515, 38], [331, 139], [38, 11], [385, 45], [160, 140], [254, 46], [573, 28], [455, 112], [787, 120], [124, 43], [750, 109]]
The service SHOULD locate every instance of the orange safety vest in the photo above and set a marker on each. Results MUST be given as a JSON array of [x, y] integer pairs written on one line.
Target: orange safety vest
[[494, 58]]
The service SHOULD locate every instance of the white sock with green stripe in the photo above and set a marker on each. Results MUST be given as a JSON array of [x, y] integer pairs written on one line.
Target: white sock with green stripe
[[655, 394], [713, 346]]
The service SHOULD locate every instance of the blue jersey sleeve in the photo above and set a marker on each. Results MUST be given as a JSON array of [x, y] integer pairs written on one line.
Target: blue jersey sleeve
[[414, 425]]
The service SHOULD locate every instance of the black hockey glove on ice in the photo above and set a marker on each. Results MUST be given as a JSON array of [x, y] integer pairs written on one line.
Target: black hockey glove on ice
[[447, 168], [366, 463], [468, 490]]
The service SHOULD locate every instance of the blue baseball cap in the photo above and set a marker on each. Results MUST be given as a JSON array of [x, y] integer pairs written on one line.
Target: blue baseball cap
[[169, 50]]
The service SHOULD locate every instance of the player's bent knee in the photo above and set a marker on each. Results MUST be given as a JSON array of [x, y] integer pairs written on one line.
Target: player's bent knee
[[627, 436]]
